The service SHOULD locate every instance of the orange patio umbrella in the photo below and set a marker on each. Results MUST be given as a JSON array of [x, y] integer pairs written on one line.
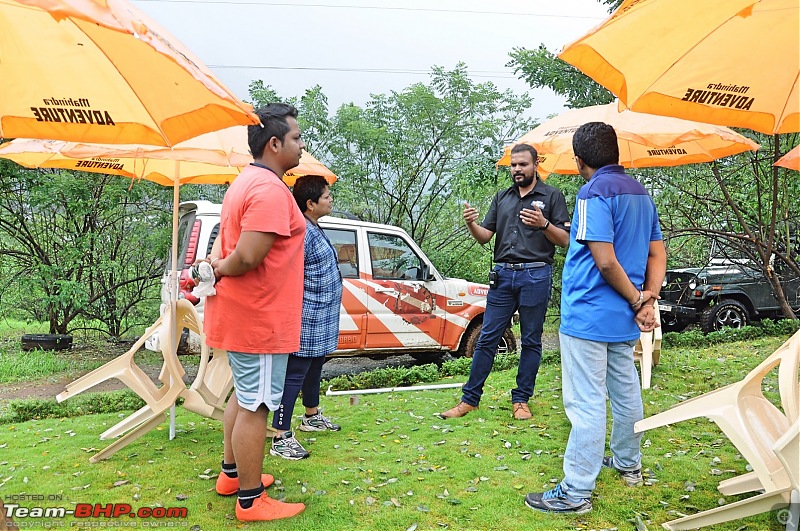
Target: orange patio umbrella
[[213, 158], [102, 71], [644, 140], [791, 160], [727, 62]]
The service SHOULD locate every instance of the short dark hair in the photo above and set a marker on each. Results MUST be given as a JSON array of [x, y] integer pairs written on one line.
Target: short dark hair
[[273, 123], [596, 144], [308, 187], [519, 148]]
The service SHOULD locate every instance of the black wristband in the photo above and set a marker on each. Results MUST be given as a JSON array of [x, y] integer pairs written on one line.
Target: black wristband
[[546, 224]]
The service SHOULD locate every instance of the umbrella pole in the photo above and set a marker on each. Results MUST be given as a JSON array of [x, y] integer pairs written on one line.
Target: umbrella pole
[[173, 287]]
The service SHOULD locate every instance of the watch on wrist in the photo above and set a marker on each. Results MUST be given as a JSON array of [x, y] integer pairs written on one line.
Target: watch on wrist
[[546, 224]]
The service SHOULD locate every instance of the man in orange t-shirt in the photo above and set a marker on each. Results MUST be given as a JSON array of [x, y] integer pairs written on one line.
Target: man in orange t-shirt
[[255, 315]]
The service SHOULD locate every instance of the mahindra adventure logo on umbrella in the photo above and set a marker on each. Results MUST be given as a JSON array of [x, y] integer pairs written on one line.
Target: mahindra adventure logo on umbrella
[[720, 95], [76, 111]]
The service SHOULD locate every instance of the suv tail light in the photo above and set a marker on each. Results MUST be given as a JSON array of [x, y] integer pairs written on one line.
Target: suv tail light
[[191, 246]]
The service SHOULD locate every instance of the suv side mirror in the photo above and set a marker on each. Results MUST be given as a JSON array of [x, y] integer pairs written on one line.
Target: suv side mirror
[[424, 272]]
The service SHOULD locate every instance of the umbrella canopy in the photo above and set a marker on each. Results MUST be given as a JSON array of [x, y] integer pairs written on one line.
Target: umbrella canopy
[[213, 158], [728, 62], [102, 71], [791, 160], [644, 140]]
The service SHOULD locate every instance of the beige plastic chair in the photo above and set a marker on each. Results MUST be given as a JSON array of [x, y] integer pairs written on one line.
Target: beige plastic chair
[[789, 388], [124, 369], [209, 392], [753, 425], [786, 452], [648, 350], [154, 413]]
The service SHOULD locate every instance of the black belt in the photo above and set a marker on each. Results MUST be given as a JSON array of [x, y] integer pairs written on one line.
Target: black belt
[[522, 265]]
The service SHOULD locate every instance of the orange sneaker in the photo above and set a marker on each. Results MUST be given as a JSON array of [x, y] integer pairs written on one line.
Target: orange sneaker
[[228, 486], [265, 508]]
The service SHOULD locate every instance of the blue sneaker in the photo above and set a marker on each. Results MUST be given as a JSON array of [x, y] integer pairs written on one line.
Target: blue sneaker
[[557, 501]]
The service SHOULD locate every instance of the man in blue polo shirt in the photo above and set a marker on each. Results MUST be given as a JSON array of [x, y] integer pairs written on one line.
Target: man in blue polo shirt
[[612, 275]]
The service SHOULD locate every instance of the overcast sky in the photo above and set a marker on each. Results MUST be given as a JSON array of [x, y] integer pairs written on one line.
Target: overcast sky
[[354, 48]]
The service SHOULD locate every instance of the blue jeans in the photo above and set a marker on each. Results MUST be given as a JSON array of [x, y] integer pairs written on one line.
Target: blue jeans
[[526, 290], [304, 374], [590, 369]]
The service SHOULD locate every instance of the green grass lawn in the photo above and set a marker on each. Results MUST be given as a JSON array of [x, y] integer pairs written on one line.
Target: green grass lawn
[[396, 466]]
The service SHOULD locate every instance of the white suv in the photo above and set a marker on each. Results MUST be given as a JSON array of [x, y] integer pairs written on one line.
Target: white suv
[[394, 300]]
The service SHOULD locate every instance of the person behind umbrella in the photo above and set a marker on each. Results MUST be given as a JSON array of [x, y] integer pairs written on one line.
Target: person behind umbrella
[[255, 314], [530, 219], [319, 334], [612, 275]]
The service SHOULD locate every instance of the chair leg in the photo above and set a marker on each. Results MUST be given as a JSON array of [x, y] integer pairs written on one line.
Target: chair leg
[[646, 363], [734, 511], [740, 484], [693, 408], [128, 438], [127, 423]]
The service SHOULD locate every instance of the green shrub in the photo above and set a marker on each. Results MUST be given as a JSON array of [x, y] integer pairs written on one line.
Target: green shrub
[[34, 409], [765, 328]]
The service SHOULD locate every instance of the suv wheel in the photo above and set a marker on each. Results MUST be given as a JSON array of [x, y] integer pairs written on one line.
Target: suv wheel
[[726, 313], [508, 343], [427, 357], [671, 323]]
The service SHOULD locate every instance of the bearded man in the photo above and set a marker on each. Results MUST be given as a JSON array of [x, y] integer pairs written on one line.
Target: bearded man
[[529, 218]]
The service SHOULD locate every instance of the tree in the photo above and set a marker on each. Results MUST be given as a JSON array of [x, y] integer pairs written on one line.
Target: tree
[[80, 247], [744, 201], [541, 68], [313, 119], [406, 157]]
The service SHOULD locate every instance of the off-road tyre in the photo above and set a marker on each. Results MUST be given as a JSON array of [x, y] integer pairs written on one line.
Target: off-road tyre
[[672, 325], [508, 343], [726, 313], [427, 357], [46, 342]]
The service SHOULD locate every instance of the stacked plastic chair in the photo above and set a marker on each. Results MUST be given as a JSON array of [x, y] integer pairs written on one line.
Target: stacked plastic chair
[[206, 396], [648, 350], [757, 428]]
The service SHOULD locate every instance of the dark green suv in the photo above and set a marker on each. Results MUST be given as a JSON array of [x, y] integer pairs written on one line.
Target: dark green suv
[[725, 293]]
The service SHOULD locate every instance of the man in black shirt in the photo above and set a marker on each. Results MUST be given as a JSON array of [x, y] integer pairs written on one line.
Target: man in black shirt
[[530, 218]]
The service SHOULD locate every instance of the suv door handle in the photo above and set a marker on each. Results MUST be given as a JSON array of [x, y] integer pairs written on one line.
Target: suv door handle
[[385, 290]]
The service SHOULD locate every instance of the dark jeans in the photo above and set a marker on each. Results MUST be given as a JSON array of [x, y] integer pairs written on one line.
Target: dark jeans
[[526, 290], [301, 374]]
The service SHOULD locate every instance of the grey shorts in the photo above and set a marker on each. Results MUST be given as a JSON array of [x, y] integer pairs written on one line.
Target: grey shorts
[[258, 379]]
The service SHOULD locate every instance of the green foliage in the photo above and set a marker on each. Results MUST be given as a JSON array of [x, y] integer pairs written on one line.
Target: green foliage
[[19, 366], [541, 68], [696, 338], [408, 158], [405, 376], [80, 246], [110, 402], [405, 158]]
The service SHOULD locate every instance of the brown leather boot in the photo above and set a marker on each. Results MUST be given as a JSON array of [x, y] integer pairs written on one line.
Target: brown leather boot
[[522, 411], [461, 409]]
